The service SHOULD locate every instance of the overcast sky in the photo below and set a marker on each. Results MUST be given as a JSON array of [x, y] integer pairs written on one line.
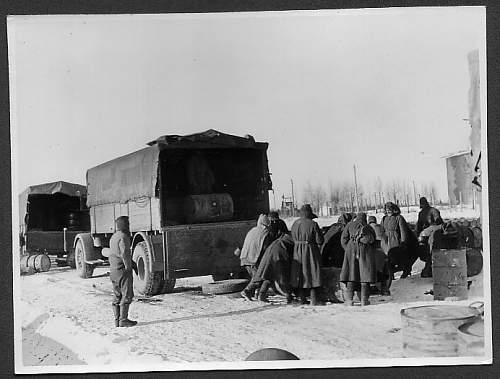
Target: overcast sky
[[383, 89]]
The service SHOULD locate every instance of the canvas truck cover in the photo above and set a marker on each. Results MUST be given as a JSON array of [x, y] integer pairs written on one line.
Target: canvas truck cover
[[134, 176], [70, 189], [130, 177]]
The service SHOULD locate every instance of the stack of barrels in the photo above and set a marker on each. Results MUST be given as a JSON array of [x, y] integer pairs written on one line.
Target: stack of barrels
[[470, 237], [35, 263]]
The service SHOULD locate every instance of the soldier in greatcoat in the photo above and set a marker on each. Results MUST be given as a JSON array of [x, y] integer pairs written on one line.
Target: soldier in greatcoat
[[381, 258], [359, 259], [332, 258], [256, 242], [402, 243], [306, 263], [120, 268]]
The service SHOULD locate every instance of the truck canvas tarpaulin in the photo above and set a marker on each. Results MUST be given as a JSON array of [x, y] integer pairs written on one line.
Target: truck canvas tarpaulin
[[130, 177], [135, 175], [70, 189], [50, 216]]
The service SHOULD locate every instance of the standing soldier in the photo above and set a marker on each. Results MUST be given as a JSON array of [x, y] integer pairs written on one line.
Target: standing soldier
[[306, 264], [120, 267], [359, 259]]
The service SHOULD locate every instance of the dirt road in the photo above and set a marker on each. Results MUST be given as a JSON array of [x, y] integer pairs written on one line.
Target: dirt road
[[188, 326]]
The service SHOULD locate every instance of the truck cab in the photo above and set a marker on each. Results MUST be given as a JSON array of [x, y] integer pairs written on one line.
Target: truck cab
[[190, 202]]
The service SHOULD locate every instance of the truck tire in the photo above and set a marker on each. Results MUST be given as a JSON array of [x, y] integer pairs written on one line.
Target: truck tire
[[146, 282], [84, 270], [167, 286], [224, 286], [219, 277], [70, 259]]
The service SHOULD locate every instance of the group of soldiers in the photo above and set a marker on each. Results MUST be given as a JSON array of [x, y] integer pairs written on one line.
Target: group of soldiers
[[357, 251]]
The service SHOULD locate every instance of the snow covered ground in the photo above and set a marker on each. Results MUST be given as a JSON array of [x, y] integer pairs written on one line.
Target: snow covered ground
[[188, 326]]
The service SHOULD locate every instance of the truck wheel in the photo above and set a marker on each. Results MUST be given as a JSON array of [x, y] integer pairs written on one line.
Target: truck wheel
[[70, 259], [84, 270], [146, 282], [219, 277], [167, 286]]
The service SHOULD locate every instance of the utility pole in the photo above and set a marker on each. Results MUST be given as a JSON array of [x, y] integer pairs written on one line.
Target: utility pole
[[414, 193], [356, 189], [293, 200]]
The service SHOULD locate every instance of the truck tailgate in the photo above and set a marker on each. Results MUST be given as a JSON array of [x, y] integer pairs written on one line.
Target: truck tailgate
[[51, 242], [203, 249]]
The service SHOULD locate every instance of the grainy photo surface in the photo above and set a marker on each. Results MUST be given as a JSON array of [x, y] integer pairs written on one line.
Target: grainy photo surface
[[250, 190]]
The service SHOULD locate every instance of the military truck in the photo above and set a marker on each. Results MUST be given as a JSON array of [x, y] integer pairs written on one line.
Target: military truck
[[51, 215], [190, 201]]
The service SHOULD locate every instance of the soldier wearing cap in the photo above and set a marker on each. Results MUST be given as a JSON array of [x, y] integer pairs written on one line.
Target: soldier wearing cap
[[120, 267]]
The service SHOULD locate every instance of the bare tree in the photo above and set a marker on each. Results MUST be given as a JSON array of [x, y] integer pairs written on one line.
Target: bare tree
[[318, 198], [308, 193], [335, 196]]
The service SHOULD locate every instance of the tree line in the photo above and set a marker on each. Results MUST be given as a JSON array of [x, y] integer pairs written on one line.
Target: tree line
[[340, 197]]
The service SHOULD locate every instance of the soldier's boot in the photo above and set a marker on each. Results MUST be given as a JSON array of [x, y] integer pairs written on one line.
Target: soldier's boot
[[427, 271], [124, 321], [349, 294], [302, 296], [315, 297], [262, 296], [365, 294], [116, 311], [384, 289], [289, 298]]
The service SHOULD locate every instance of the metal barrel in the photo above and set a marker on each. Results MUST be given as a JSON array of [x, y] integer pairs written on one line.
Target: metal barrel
[[474, 259], [472, 336], [449, 271], [210, 207], [37, 262], [432, 330], [478, 237]]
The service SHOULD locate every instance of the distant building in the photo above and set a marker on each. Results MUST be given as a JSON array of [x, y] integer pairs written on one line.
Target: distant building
[[287, 207], [460, 173]]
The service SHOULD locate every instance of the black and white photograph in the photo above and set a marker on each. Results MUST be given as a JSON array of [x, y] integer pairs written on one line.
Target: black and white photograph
[[249, 190]]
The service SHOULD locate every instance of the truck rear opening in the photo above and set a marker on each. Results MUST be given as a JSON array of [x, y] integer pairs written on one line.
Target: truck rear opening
[[212, 185]]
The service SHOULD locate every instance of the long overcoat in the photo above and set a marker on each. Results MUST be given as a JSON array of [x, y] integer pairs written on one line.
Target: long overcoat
[[275, 263], [359, 259], [306, 263], [332, 252], [402, 244]]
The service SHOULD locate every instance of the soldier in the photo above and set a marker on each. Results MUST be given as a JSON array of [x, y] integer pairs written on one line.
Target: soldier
[[306, 263], [120, 267]]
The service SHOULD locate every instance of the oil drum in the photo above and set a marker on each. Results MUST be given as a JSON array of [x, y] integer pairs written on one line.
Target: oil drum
[[208, 208], [432, 330], [37, 262], [474, 258], [478, 237], [472, 336], [449, 272]]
